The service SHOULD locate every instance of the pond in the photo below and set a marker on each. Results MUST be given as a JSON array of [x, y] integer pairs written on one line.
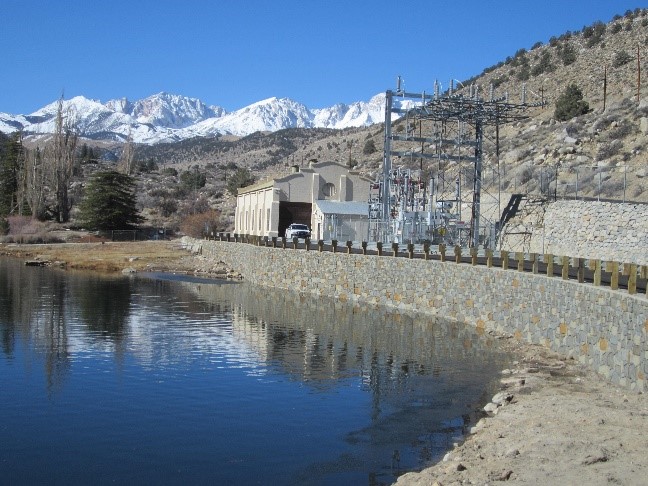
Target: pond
[[162, 379]]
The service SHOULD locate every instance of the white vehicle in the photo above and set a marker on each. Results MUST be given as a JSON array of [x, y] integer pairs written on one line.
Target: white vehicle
[[297, 231]]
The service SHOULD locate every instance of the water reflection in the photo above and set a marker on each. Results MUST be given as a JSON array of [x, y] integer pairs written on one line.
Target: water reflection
[[104, 305], [285, 388]]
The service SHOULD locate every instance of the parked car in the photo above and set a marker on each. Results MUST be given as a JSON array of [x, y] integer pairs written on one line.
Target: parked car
[[297, 231]]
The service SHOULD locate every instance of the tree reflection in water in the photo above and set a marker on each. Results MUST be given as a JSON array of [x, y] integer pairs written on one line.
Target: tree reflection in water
[[413, 381]]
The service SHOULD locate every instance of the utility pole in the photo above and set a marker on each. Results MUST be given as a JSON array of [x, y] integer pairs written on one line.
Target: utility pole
[[638, 75]]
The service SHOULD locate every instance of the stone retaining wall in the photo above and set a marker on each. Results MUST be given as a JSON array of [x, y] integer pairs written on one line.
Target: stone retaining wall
[[601, 328], [600, 230]]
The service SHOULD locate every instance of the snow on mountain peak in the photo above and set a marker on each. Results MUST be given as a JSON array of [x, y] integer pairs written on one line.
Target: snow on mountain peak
[[165, 117]]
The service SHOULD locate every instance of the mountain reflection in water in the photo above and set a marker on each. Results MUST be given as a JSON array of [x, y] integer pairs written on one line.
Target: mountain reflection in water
[[170, 380]]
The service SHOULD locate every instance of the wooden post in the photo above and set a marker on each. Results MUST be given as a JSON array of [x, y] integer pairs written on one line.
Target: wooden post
[[379, 246], [457, 252], [580, 264], [533, 257], [274, 242], [632, 279], [489, 258], [473, 256], [442, 252], [395, 249], [410, 250], [334, 245], [519, 256], [295, 241], [364, 247], [283, 242], [597, 272], [320, 245], [548, 259], [565, 267], [613, 268], [505, 259], [426, 249], [307, 243], [349, 244]]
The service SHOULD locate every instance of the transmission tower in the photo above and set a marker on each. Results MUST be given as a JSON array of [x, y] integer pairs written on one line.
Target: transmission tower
[[440, 142]]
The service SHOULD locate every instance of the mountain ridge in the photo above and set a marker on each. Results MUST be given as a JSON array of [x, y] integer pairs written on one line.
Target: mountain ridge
[[165, 117]]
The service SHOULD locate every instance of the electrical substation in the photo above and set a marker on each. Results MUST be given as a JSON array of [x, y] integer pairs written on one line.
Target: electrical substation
[[434, 162]]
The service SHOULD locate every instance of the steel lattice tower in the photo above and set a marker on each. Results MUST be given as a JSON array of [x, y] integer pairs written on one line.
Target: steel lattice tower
[[442, 111]]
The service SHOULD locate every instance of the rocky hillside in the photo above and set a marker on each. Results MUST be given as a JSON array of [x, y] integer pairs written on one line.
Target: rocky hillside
[[599, 154]]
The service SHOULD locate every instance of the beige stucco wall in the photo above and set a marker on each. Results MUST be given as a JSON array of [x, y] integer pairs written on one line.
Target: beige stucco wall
[[256, 212], [257, 206]]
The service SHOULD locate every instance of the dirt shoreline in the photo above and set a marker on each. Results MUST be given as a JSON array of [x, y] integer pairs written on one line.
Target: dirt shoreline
[[555, 422], [124, 257]]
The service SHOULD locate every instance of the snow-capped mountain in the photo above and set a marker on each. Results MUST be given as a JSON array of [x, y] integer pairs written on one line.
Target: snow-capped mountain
[[166, 117], [167, 110], [94, 120]]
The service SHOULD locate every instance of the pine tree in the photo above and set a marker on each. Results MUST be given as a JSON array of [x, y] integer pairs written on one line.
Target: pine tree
[[369, 147], [570, 104], [110, 202], [241, 178], [10, 166]]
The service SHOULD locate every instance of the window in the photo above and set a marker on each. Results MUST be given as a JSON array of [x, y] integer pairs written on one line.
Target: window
[[329, 190]]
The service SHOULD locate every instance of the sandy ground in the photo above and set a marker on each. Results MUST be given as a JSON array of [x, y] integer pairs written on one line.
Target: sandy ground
[[553, 423]]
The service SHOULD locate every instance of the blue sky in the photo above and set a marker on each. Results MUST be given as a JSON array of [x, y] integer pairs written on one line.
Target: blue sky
[[233, 53]]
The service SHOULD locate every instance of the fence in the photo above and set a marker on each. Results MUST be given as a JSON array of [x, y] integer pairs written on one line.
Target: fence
[[612, 274], [135, 234], [613, 183]]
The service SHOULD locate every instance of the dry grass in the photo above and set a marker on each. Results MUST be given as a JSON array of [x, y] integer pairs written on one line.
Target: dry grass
[[106, 256]]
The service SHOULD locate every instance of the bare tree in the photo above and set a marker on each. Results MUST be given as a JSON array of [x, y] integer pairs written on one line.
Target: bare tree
[[60, 161], [34, 182], [127, 158]]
